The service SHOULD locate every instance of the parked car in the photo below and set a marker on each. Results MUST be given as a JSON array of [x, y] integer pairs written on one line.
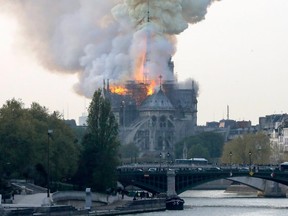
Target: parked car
[[214, 169], [152, 169]]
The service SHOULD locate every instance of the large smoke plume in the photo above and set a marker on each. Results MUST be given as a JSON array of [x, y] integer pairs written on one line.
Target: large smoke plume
[[104, 39]]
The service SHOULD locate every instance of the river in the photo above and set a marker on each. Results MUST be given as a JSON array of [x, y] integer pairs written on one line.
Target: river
[[219, 203]]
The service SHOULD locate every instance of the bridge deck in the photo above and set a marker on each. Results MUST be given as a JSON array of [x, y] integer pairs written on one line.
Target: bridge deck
[[153, 178]]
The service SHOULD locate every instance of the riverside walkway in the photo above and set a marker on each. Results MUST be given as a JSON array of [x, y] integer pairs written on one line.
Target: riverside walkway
[[32, 205]]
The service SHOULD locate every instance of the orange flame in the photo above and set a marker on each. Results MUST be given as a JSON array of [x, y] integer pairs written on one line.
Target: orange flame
[[139, 67], [140, 74], [151, 87], [118, 90]]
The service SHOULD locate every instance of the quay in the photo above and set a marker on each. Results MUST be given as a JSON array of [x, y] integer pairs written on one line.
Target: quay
[[32, 205], [82, 203], [133, 207]]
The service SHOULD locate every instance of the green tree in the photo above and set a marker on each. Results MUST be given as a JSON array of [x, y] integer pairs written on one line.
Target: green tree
[[207, 144], [100, 147], [198, 150], [64, 149], [258, 144], [129, 152], [24, 144]]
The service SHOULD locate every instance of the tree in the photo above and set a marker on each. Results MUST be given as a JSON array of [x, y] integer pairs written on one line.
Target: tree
[[100, 146], [64, 149], [23, 143], [129, 152], [208, 145], [198, 150], [258, 144]]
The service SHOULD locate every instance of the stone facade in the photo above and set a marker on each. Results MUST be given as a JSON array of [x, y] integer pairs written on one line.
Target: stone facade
[[276, 127], [156, 122]]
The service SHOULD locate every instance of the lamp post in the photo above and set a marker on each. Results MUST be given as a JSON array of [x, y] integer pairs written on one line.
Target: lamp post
[[168, 156], [48, 162], [123, 120], [250, 161], [160, 156], [230, 155], [259, 156]]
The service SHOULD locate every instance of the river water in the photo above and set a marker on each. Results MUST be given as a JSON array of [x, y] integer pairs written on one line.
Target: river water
[[219, 203]]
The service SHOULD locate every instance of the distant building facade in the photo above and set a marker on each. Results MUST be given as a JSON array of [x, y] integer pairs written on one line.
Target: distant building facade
[[83, 120], [276, 127], [231, 129]]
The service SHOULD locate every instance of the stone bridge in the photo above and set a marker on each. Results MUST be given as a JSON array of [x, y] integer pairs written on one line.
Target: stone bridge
[[267, 187], [155, 180]]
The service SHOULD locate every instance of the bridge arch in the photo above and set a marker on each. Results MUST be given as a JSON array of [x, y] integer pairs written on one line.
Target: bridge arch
[[255, 183], [185, 179], [267, 187]]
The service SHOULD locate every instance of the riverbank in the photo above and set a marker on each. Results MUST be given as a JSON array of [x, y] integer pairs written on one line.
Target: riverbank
[[240, 189], [123, 207], [32, 205]]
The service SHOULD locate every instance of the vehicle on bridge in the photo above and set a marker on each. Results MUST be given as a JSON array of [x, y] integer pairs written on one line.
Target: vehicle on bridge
[[187, 177], [192, 161], [284, 166]]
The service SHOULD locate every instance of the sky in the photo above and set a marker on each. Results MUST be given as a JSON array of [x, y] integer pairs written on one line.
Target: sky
[[238, 55]]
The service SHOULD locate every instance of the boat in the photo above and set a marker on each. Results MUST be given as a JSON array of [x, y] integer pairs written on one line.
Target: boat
[[174, 203]]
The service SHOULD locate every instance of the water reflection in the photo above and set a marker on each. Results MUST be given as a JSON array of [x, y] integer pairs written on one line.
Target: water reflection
[[219, 203]]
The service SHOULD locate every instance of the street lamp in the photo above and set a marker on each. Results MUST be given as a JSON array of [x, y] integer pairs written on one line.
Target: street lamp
[[160, 155], [250, 162], [259, 157], [123, 117], [230, 155], [48, 162], [123, 120], [168, 156]]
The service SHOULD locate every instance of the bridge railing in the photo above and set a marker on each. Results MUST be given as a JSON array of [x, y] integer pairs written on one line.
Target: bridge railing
[[139, 168]]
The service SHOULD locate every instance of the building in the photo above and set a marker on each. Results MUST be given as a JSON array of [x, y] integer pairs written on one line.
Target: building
[[276, 127], [83, 120], [230, 129], [154, 122]]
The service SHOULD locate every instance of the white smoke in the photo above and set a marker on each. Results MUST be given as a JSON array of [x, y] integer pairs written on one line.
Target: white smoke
[[103, 39], [189, 84]]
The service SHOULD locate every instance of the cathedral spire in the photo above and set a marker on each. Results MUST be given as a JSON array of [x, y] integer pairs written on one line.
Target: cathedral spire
[[147, 54], [148, 13], [160, 81]]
